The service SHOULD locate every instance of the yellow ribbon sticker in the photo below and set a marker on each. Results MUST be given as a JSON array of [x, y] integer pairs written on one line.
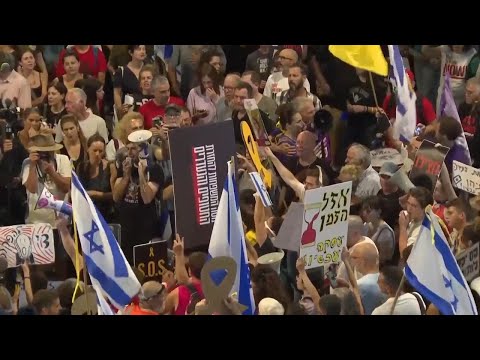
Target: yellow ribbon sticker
[[252, 148]]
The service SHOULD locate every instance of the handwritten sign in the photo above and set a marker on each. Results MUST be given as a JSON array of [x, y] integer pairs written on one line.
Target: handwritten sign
[[253, 150], [428, 161], [381, 156], [468, 261], [466, 178], [325, 224], [261, 189], [290, 233], [151, 260], [32, 243]]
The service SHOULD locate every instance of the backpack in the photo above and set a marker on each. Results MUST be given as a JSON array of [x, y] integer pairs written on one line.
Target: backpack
[[195, 297]]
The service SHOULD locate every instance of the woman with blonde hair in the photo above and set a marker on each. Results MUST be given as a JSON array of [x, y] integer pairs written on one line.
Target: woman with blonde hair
[[352, 173], [130, 122]]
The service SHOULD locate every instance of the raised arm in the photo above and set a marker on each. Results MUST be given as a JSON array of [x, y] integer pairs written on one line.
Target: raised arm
[[309, 287], [352, 279], [259, 219], [285, 174], [181, 273]]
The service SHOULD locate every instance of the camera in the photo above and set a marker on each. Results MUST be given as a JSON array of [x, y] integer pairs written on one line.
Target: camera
[[44, 156], [12, 116]]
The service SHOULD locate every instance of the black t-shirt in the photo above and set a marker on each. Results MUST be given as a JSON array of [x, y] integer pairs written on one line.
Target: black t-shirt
[[260, 63], [361, 93], [51, 117], [269, 126], [127, 81], [391, 207], [140, 99], [266, 248], [132, 196]]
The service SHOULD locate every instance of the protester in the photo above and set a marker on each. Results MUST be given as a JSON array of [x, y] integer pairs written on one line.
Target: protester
[[74, 142]]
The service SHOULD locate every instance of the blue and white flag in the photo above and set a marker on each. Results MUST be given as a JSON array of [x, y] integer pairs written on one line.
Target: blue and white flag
[[432, 270], [102, 306], [228, 240], [106, 264], [448, 108], [406, 117]]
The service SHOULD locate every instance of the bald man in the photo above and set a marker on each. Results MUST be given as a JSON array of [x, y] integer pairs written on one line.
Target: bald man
[[365, 258], [278, 81], [225, 103]]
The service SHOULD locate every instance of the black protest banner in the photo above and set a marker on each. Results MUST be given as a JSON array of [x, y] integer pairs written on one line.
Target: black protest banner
[[428, 161], [151, 259], [199, 165]]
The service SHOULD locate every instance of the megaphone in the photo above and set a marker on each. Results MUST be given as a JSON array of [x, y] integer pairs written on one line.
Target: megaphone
[[141, 137], [401, 179], [273, 259]]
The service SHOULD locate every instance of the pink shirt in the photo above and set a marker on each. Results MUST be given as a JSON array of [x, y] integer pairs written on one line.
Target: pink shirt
[[17, 89], [196, 100]]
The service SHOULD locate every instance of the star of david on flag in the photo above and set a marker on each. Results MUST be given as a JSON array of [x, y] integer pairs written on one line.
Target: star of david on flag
[[104, 259]]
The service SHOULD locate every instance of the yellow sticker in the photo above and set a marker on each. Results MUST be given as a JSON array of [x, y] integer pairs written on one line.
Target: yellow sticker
[[252, 149]]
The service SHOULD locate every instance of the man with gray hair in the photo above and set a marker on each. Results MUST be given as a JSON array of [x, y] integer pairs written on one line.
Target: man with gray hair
[[225, 103], [369, 182], [155, 108], [469, 114], [75, 103]]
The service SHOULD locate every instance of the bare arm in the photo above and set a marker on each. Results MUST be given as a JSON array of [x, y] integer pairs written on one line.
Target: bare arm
[[285, 174], [120, 188], [352, 279], [32, 181], [148, 189], [101, 77], [259, 219], [113, 176], [167, 193], [447, 183], [27, 283], [309, 287], [171, 302], [402, 239], [181, 273], [117, 98], [62, 182], [69, 244]]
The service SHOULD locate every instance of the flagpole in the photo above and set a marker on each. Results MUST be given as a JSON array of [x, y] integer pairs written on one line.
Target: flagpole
[[373, 88], [399, 290]]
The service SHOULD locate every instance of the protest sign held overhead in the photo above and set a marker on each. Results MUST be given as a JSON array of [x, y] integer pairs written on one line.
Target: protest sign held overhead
[[466, 178], [199, 155], [468, 261], [151, 260], [31, 243], [325, 224], [428, 161]]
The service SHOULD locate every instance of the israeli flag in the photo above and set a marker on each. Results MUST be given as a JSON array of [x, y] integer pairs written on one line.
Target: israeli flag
[[228, 240], [106, 264], [406, 117], [432, 270]]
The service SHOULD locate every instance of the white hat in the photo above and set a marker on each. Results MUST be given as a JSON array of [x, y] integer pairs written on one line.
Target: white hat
[[270, 306]]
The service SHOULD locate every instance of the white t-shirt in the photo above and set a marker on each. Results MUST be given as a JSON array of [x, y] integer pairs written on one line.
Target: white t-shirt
[[457, 66], [45, 215], [111, 151], [91, 125], [407, 304], [276, 83], [413, 230]]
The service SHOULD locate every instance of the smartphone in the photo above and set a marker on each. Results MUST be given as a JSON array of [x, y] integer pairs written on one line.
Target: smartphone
[[158, 121]]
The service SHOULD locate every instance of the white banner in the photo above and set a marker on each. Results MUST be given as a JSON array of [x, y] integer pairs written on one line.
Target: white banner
[[466, 178], [325, 224], [468, 261]]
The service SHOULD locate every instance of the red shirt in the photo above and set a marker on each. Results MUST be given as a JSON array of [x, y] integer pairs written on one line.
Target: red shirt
[[150, 110], [426, 118], [184, 297], [88, 64]]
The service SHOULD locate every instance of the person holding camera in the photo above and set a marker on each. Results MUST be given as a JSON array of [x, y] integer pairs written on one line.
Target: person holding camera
[[14, 88], [135, 191], [12, 194], [45, 168]]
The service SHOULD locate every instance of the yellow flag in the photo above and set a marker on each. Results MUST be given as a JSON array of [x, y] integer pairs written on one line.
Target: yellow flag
[[368, 57]]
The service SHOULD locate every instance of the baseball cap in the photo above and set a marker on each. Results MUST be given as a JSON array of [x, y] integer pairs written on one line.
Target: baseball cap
[[270, 306], [388, 168]]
